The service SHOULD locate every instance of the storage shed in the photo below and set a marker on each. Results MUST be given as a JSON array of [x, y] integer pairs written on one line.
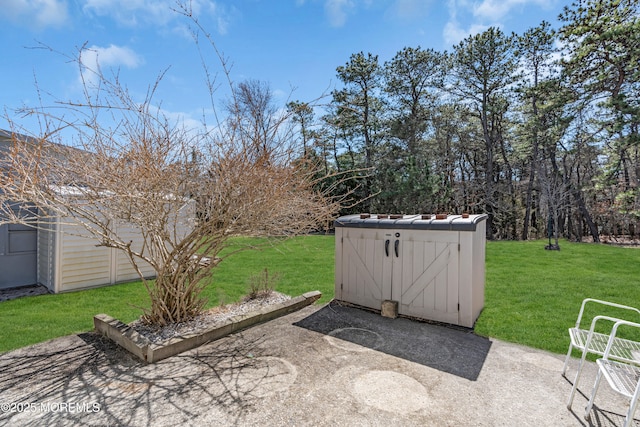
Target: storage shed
[[56, 253], [67, 261], [17, 242], [432, 266]]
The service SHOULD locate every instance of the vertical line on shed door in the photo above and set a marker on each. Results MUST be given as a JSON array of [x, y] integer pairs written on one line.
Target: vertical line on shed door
[[418, 262], [428, 294]]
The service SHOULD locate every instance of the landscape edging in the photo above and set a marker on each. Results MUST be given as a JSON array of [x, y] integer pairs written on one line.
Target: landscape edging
[[126, 337]]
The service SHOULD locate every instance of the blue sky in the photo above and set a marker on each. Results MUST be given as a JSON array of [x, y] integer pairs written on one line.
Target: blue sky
[[294, 45]]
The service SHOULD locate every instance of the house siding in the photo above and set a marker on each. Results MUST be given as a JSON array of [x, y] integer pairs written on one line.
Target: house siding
[[66, 261]]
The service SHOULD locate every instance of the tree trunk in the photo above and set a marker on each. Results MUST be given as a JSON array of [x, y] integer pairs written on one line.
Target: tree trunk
[[585, 214]]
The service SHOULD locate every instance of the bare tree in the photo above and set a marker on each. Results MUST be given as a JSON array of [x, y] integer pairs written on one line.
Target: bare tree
[[255, 116], [111, 162], [555, 196]]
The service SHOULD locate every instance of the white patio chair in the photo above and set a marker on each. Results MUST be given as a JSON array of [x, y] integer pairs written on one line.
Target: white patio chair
[[590, 341], [623, 378]]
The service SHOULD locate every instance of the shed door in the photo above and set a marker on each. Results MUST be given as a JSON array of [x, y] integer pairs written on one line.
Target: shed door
[[425, 275], [18, 250], [366, 268]]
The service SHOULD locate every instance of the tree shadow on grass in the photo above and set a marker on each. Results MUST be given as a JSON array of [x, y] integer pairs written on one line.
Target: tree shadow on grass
[[89, 380]]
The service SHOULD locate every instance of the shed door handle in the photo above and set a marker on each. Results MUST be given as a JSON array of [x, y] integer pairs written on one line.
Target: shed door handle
[[395, 246], [386, 247]]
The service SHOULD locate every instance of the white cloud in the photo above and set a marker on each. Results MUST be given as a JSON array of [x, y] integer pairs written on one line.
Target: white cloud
[[133, 12], [410, 9], [96, 58], [454, 34], [337, 11], [498, 9], [561, 51], [222, 17], [183, 120], [112, 56], [36, 14], [157, 12], [480, 15], [281, 94]]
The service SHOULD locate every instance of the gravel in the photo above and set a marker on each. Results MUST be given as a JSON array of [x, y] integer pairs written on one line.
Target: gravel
[[206, 320]]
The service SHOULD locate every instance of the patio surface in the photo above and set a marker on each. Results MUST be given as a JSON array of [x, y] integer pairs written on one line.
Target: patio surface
[[321, 366]]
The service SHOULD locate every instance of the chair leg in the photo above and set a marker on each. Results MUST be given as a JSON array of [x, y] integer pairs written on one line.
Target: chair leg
[[574, 387], [632, 407], [587, 411], [566, 359]]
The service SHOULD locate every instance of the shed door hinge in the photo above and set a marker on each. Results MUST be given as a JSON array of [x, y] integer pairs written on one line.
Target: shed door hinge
[[342, 287], [458, 306], [458, 247]]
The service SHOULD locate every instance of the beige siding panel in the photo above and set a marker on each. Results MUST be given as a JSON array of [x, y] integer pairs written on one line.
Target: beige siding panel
[[123, 269], [425, 275], [185, 220], [365, 268], [68, 261], [82, 263]]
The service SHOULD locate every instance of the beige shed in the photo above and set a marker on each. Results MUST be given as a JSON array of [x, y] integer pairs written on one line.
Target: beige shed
[[57, 253], [433, 267], [67, 260]]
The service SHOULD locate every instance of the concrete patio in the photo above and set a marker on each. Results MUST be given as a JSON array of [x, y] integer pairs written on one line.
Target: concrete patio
[[323, 365]]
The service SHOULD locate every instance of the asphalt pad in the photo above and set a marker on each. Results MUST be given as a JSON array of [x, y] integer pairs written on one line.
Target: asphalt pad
[[454, 350]]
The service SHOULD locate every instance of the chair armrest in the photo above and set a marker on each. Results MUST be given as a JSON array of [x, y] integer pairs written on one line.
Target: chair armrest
[[591, 332], [607, 303], [614, 331]]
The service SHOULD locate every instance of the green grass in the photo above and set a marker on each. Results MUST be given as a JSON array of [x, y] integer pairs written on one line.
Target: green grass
[[303, 264], [30, 320], [531, 295]]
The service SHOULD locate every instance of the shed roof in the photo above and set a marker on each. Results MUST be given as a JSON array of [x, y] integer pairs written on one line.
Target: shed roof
[[415, 222]]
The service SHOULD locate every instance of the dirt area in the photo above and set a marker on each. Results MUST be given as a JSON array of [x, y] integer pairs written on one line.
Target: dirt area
[[24, 291], [626, 241]]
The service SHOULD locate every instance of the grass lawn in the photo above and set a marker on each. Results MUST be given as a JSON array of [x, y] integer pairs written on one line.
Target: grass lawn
[[531, 296], [303, 264]]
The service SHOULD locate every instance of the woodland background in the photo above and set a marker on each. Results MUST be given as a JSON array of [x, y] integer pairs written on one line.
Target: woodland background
[[538, 130]]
